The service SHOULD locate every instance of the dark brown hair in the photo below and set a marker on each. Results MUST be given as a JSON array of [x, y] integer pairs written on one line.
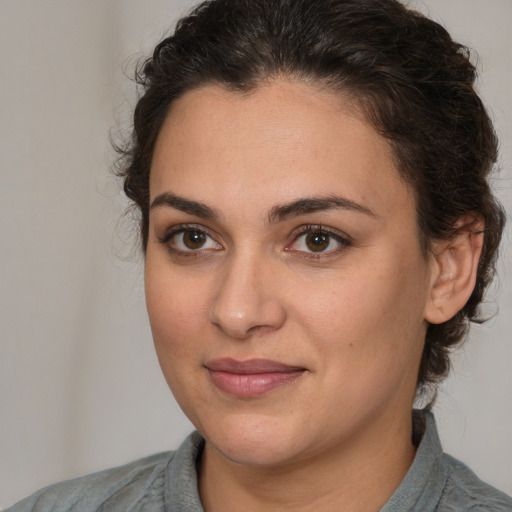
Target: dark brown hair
[[412, 82]]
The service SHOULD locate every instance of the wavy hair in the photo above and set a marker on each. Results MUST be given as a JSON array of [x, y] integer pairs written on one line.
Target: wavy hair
[[411, 81]]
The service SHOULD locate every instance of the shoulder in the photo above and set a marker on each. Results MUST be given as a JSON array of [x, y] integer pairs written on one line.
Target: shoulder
[[465, 492], [151, 483], [437, 482], [133, 486]]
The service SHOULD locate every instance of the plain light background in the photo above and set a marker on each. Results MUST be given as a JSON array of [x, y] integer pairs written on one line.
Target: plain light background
[[80, 387]]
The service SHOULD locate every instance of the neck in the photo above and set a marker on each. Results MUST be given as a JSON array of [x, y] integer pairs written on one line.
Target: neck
[[361, 476]]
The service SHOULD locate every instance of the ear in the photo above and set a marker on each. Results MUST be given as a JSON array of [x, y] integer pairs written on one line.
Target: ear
[[454, 269]]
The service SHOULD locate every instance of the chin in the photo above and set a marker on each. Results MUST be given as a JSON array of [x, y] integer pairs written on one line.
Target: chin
[[261, 442]]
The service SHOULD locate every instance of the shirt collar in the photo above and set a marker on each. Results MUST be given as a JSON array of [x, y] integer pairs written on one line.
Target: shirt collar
[[423, 485], [420, 490]]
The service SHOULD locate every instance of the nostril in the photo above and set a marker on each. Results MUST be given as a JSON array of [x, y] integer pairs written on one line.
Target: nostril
[[264, 317], [260, 329]]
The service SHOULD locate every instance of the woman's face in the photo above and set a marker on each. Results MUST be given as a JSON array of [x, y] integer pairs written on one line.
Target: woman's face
[[285, 283]]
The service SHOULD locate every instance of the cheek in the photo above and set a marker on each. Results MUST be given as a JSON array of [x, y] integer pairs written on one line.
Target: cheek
[[177, 309], [368, 334], [176, 314], [376, 312]]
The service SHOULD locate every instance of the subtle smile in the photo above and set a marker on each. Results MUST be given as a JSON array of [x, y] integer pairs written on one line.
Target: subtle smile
[[251, 378]]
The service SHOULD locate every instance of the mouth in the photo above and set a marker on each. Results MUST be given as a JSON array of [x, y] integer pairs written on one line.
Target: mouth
[[251, 378]]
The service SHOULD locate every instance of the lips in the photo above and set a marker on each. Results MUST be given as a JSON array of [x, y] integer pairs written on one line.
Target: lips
[[251, 378]]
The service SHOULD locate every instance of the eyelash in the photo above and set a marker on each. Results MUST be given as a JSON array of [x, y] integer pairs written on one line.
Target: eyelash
[[166, 240], [316, 229]]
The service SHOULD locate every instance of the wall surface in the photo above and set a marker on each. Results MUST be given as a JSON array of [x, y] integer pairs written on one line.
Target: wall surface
[[80, 387]]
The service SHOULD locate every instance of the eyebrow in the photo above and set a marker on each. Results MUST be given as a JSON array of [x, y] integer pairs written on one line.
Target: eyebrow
[[276, 214], [315, 204], [185, 205]]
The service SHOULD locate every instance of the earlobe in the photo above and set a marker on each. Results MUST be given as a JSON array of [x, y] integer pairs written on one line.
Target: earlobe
[[454, 269]]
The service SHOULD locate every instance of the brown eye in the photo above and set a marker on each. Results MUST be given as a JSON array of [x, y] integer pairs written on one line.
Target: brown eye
[[193, 239], [190, 240], [317, 242]]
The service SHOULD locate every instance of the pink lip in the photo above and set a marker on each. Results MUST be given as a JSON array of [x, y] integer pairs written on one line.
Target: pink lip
[[251, 378]]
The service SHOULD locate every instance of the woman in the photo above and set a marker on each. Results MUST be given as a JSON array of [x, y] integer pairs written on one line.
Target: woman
[[318, 231]]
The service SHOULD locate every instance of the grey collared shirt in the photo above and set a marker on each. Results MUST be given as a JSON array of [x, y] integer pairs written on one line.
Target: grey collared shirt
[[167, 482]]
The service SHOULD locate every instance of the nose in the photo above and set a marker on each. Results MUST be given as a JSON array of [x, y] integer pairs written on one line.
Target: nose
[[247, 299]]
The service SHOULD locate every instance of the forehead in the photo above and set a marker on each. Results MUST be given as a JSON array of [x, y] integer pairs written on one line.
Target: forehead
[[287, 139]]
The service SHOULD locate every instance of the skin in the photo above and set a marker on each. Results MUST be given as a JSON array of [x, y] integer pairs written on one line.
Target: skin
[[351, 315]]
